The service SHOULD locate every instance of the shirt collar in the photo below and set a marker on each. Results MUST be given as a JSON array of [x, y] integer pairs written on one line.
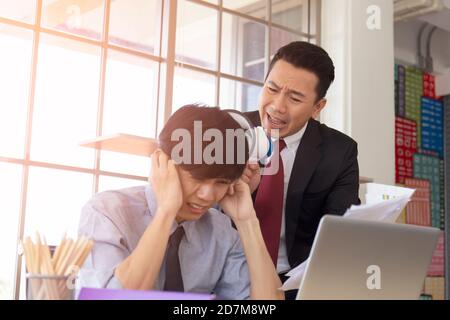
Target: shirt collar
[[293, 140]]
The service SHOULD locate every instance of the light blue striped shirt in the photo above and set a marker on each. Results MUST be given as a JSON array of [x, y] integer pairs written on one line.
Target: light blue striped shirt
[[211, 255]]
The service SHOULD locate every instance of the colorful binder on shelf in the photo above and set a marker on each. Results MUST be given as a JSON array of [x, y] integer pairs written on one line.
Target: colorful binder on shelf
[[436, 268], [418, 209], [405, 147]]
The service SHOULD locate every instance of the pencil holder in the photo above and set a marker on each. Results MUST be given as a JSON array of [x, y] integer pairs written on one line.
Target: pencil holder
[[52, 276], [43, 287]]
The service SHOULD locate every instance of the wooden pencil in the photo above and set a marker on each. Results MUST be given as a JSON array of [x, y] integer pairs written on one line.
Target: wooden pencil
[[68, 258]]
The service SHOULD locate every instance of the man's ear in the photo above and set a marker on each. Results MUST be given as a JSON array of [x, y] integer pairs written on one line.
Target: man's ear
[[318, 107], [157, 151]]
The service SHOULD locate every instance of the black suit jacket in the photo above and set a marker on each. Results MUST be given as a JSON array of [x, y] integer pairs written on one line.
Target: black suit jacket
[[324, 180]]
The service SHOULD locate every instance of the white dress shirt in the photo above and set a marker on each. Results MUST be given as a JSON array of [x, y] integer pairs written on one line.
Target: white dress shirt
[[211, 255], [288, 157]]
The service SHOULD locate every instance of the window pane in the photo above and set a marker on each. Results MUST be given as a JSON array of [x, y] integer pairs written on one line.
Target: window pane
[[255, 8], [196, 37], [192, 87], [281, 37], [115, 183], [291, 14], [15, 62], [10, 185], [238, 95], [66, 101], [84, 18], [130, 95], [135, 25], [55, 199], [24, 10], [243, 43], [129, 107], [314, 22]]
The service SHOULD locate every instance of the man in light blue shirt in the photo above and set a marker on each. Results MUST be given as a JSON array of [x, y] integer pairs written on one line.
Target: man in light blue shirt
[[131, 227]]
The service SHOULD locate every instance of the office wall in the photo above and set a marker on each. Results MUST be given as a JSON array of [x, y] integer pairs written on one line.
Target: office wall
[[405, 44], [359, 37]]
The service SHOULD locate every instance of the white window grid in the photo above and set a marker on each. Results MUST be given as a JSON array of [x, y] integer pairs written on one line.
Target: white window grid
[[165, 56]]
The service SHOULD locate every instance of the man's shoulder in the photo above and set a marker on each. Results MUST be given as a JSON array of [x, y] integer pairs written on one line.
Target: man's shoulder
[[333, 136], [112, 202], [218, 223], [125, 194], [328, 135]]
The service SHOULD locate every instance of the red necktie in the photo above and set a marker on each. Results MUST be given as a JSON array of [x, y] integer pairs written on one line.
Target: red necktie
[[269, 206]]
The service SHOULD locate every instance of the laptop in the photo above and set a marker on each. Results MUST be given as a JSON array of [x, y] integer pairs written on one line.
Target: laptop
[[365, 260]]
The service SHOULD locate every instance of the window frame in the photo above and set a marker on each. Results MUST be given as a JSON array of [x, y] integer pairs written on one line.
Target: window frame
[[164, 56]]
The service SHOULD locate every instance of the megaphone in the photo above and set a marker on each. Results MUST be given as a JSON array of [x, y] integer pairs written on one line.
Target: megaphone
[[260, 145]]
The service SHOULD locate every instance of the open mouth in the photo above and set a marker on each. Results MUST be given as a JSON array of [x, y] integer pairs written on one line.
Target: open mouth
[[197, 208], [275, 122]]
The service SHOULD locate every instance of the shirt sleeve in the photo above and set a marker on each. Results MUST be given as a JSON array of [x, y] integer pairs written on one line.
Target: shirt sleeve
[[234, 283], [107, 253]]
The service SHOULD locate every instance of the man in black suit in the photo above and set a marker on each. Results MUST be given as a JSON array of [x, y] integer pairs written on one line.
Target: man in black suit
[[321, 174]]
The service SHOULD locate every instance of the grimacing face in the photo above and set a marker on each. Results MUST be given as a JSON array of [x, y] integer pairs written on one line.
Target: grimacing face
[[289, 99], [199, 195]]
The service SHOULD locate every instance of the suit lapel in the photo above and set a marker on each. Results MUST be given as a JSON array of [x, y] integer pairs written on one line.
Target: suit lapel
[[306, 160]]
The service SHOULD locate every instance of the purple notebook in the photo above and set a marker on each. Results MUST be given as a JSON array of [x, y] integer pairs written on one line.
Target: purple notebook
[[116, 294]]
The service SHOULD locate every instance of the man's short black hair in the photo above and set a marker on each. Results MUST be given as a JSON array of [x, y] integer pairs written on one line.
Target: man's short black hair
[[310, 57], [211, 118]]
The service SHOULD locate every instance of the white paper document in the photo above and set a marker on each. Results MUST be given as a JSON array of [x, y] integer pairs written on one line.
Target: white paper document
[[376, 209], [375, 192]]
